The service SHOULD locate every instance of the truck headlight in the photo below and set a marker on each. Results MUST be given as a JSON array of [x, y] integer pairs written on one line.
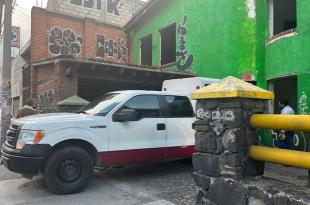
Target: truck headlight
[[29, 137]]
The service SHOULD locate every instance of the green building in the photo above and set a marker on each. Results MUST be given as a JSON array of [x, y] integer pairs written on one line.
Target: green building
[[265, 42]]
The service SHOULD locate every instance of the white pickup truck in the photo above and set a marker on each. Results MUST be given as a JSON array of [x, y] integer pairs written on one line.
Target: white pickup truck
[[120, 128]]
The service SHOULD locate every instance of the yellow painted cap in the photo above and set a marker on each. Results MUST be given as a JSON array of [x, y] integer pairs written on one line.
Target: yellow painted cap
[[232, 87]]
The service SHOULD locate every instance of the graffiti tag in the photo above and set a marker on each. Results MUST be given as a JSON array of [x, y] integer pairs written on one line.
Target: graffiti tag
[[110, 48], [303, 104], [64, 42], [226, 115], [112, 7], [185, 60], [201, 114], [46, 102]]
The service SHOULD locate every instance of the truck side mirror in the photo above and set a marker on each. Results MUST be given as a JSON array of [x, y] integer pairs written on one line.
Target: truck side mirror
[[125, 115]]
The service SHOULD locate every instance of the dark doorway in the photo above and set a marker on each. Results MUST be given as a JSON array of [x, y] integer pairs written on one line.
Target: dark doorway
[[284, 15], [146, 50], [284, 89], [168, 44], [90, 89]]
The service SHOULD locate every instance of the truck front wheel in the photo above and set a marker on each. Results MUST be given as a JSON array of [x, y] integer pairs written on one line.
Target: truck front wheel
[[68, 170]]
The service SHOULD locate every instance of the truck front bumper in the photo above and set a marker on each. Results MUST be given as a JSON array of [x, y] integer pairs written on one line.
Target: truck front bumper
[[29, 160]]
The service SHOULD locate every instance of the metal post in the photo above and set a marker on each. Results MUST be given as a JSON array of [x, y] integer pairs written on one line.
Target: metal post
[[6, 74], [1, 10]]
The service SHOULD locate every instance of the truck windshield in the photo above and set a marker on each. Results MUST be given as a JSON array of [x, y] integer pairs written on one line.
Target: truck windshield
[[103, 105]]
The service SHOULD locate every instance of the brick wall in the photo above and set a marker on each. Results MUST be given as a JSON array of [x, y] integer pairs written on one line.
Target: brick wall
[[48, 29], [45, 89], [80, 39]]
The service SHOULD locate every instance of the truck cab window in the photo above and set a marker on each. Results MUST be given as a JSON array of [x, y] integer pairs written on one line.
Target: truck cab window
[[147, 106], [179, 106]]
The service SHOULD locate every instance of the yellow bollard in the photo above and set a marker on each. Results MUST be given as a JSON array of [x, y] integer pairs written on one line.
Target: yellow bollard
[[281, 156], [281, 122]]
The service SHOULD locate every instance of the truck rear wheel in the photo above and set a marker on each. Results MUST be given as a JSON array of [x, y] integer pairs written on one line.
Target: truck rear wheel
[[68, 170]]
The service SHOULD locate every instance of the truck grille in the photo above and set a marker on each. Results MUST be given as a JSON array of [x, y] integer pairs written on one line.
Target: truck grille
[[12, 135]]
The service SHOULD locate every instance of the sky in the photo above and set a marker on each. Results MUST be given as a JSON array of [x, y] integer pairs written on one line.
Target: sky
[[22, 18]]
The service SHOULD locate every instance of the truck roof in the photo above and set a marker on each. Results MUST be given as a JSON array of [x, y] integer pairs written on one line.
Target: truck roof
[[144, 92]]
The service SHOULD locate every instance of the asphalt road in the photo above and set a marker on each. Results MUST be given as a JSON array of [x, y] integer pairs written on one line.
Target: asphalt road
[[156, 184]]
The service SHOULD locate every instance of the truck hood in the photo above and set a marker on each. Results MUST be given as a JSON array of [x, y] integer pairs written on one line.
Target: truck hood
[[55, 119]]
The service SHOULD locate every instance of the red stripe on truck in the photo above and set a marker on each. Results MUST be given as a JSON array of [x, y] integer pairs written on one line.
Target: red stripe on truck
[[145, 155]]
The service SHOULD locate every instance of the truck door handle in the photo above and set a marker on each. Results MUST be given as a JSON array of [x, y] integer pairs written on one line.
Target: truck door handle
[[161, 126]]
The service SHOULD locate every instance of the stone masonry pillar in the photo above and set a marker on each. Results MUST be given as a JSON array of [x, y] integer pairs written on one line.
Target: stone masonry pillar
[[223, 139]]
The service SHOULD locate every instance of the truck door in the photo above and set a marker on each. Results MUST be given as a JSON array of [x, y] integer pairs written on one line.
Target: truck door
[[180, 135], [141, 140]]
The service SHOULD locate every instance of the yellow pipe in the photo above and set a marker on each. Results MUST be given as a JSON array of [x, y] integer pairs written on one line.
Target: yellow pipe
[[281, 156], [281, 122]]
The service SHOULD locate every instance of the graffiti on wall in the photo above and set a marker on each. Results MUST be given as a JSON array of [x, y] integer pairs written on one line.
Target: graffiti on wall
[[46, 102], [114, 49], [87, 3], [185, 60], [64, 42], [303, 104], [113, 6]]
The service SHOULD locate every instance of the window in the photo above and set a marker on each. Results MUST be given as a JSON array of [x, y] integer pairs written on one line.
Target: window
[[147, 106], [179, 106], [282, 16], [146, 50], [168, 44]]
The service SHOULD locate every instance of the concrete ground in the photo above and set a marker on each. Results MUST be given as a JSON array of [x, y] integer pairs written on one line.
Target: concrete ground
[[157, 184]]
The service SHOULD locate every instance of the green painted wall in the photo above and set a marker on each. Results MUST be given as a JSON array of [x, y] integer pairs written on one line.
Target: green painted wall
[[226, 41], [290, 56], [221, 36]]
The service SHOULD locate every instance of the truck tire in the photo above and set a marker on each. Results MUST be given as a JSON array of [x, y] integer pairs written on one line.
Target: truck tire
[[68, 170]]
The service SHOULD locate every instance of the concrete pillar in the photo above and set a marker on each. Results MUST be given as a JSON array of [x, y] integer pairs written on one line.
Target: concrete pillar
[[223, 139]]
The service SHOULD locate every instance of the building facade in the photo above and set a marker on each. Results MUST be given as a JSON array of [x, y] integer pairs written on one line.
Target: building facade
[[265, 42], [73, 53]]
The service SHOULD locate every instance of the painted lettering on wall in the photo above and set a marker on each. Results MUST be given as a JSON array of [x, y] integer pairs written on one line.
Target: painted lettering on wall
[[185, 60], [46, 102], [226, 115], [112, 7], [303, 104], [64, 42], [116, 49], [87, 3]]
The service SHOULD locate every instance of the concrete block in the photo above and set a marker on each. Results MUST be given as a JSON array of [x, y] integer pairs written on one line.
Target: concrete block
[[200, 197], [230, 172], [206, 142], [232, 104], [297, 202], [259, 197], [253, 168], [205, 122], [250, 104], [280, 200], [202, 181], [207, 104], [233, 118], [234, 140], [217, 127], [233, 159], [207, 164], [252, 137], [227, 192], [219, 146], [202, 128]]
